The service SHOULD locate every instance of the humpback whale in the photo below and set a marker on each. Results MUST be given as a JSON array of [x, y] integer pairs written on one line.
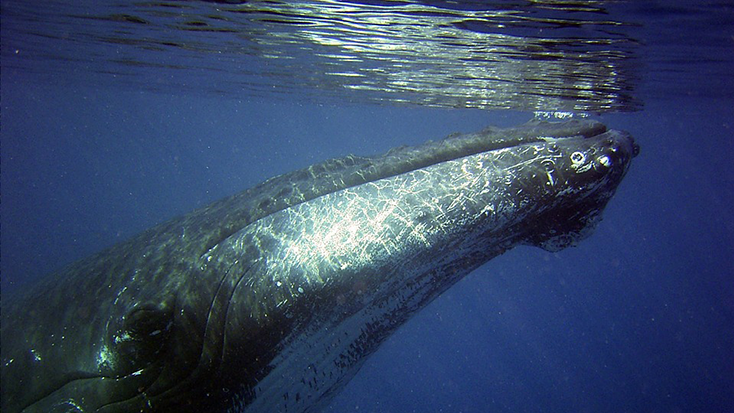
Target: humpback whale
[[271, 300]]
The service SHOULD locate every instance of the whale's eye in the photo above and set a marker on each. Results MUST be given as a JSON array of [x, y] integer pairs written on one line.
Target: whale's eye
[[139, 338]]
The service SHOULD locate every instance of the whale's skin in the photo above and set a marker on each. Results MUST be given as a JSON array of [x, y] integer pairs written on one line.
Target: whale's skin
[[271, 300]]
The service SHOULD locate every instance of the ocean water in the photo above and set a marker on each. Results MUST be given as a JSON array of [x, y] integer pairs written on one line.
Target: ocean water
[[117, 116]]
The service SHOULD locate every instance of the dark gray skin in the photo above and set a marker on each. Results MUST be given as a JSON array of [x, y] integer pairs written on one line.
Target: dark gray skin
[[271, 300]]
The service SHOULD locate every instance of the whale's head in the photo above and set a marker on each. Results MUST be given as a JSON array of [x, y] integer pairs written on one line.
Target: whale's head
[[576, 177], [271, 299]]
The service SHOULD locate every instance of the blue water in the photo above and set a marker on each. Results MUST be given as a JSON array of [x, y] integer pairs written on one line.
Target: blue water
[[639, 317]]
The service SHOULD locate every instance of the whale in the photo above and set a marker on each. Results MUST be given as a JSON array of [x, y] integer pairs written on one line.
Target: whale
[[272, 299]]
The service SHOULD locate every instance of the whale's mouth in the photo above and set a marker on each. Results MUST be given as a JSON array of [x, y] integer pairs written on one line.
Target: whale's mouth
[[354, 170], [457, 146], [230, 215], [100, 391]]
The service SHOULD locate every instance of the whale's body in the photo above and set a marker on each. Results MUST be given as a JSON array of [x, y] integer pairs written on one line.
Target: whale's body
[[270, 300]]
